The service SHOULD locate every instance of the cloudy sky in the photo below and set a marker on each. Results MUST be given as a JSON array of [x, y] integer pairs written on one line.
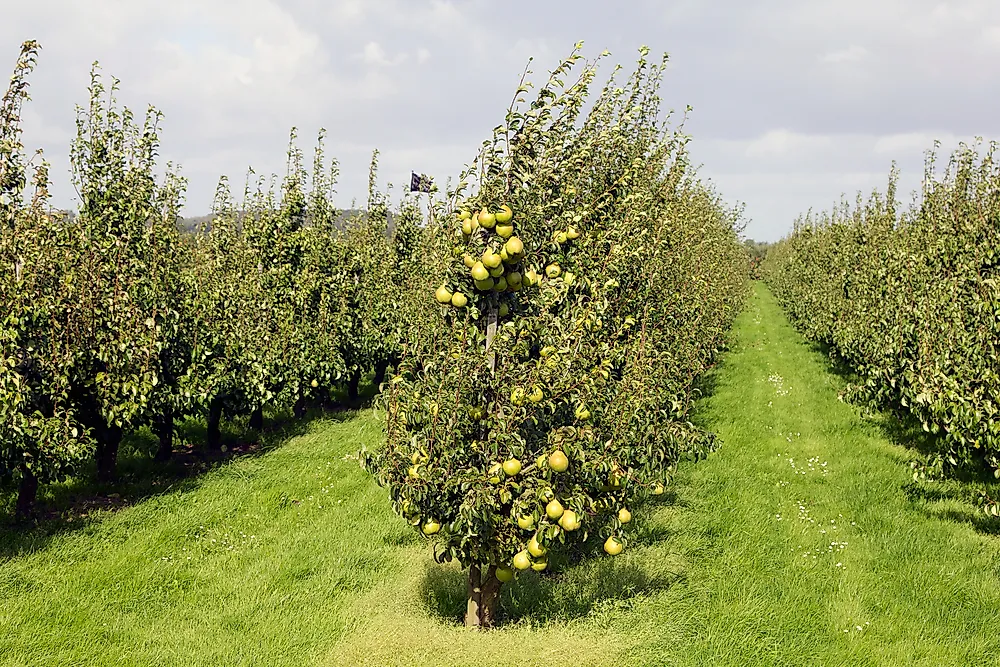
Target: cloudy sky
[[795, 101]]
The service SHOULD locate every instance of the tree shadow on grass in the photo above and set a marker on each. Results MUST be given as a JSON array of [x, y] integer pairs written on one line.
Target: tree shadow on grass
[[961, 494], [82, 502], [939, 506], [706, 383], [565, 593], [965, 489], [836, 364]]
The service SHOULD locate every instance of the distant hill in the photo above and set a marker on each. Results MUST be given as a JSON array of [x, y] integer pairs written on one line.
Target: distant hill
[[194, 224]]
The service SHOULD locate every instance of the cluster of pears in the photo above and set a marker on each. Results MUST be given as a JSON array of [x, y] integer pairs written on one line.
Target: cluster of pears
[[563, 235], [535, 553], [444, 296], [497, 269]]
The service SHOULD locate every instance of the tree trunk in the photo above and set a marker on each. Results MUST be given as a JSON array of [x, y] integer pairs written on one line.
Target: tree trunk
[[484, 591], [108, 440], [27, 490], [483, 598], [352, 385], [163, 426], [472, 607], [324, 397], [489, 602], [107, 437], [257, 418], [299, 409], [214, 434], [380, 369]]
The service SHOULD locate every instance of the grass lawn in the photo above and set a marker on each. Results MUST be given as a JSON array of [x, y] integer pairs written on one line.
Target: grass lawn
[[802, 541]]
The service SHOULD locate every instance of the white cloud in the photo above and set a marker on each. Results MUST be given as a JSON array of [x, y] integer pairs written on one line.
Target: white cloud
[[781, 174], [348, 10], [991, 36], [852, 54], [374, 54], [785, 143]]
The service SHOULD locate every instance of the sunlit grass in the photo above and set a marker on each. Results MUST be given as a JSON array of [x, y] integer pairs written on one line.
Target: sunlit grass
[[800, 542]]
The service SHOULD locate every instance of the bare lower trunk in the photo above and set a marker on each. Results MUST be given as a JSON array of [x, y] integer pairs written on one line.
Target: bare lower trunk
[[107, 453], [163, 426], [352, 385], [380, 370], [489, 602], [472, 616], [299, 409], [257, 419], [484, 591], [214, 433], [483, 598], [27, 490]]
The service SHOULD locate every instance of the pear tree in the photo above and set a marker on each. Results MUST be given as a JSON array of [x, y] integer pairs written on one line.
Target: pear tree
[[545, 391]]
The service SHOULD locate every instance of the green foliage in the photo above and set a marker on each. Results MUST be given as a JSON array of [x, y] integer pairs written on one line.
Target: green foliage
[[114, 319], [911, 301], [269, 281], [40, 437], [122, 272], [617, 273], [89, 325], [588, 342], [758, 251]]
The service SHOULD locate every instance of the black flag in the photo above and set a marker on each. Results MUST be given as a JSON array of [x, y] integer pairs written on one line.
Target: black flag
[[421, 183]]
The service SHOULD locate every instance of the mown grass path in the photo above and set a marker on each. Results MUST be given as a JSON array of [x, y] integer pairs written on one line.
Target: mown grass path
[[796, 543], [813, 551]]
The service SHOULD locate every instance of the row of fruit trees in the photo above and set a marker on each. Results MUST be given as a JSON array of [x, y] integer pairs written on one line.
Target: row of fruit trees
[[910, 300], [113, 319], [541, 330]]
